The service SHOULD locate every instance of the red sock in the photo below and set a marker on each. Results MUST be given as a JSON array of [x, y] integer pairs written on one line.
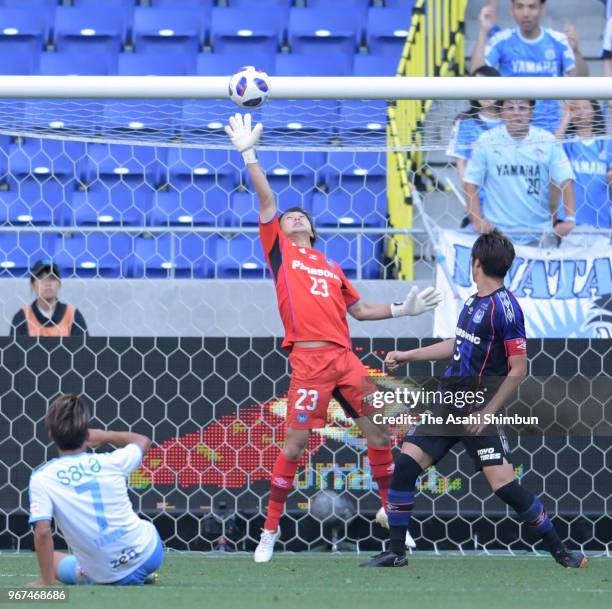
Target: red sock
[[381, 464], [281, 485]]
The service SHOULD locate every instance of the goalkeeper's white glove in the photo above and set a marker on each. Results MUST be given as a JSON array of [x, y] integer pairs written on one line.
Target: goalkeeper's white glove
[[417, 302], [243, 137]]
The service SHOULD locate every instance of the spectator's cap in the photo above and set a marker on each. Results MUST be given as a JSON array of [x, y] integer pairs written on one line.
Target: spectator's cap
[[46, 265]]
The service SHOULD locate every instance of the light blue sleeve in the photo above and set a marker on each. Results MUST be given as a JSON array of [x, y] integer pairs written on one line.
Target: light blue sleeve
[[493, 52], [560, 166], [568, 59], [476, 170], [461, 140]]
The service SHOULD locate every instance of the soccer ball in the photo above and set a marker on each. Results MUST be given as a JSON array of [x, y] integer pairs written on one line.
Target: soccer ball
[[329, 504], [250, 87]]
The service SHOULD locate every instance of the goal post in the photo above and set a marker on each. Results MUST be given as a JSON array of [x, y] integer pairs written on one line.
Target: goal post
[[132, 186]]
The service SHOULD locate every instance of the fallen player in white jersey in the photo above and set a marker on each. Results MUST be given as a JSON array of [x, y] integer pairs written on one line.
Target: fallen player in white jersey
[[86, 493]]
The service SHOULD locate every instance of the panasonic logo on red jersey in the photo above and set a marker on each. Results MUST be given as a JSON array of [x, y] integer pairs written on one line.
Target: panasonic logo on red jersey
[[298, 264]]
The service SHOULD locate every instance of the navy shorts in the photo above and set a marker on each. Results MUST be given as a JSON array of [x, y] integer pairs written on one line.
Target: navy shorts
[[436, 441]]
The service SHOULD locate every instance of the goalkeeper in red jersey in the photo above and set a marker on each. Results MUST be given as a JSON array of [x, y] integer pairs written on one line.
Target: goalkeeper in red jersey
[[314, 297]]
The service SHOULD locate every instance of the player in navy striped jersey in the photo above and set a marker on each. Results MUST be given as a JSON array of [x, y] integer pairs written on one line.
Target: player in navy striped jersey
[[489, 344]]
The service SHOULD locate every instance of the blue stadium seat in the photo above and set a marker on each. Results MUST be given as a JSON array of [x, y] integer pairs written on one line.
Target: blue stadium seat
[[210, 116], [244, 209], [23, 33], [341, 249], [174, 208], [192, 205], [349, 210], [93, 254], [126, 5], [111, 204], [64, 64], [387, 30], [366, 118], [30, 4], [292, 175], [156, 64], [375, 65], [225, 64], [303, 119], [160, 30], [5, 143], [167, 255], [280, 5], [344, 250], [19, 62], [32, 201], [183, 3], [236, 30], [133, 115], [130, 164], [239, 257], [44, 158], [19, 251], [204, 168], [292, 162], [63, 115], [352, 7], [353, 171], [89, 30], [314, 64], [323, 30], [406, 5]]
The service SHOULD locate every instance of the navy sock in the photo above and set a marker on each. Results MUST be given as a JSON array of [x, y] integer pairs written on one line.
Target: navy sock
[[401, 500], [531, 511]]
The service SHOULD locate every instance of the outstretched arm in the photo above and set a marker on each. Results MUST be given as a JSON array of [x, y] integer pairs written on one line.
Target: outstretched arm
[[244, 139], [267, 204], [438, 351], [415, 304]]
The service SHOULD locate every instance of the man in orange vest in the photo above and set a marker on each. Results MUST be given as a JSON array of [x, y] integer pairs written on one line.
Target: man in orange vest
[[47, 316]]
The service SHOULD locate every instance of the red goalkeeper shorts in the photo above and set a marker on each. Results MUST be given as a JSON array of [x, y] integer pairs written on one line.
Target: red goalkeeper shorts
[[320, 373]]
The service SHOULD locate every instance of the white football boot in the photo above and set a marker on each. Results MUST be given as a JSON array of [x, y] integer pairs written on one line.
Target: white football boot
[[265, 549], [383, 521]]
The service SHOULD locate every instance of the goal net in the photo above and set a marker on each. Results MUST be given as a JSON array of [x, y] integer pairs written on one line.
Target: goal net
[[148, 213]]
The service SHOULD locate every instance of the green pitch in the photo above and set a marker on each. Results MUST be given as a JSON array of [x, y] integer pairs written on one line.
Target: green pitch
[[325, 581]]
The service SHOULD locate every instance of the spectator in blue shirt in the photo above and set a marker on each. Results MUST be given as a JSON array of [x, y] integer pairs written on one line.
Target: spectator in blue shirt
[[515, 164], [530, 50], [583, 131], [482, 115]]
